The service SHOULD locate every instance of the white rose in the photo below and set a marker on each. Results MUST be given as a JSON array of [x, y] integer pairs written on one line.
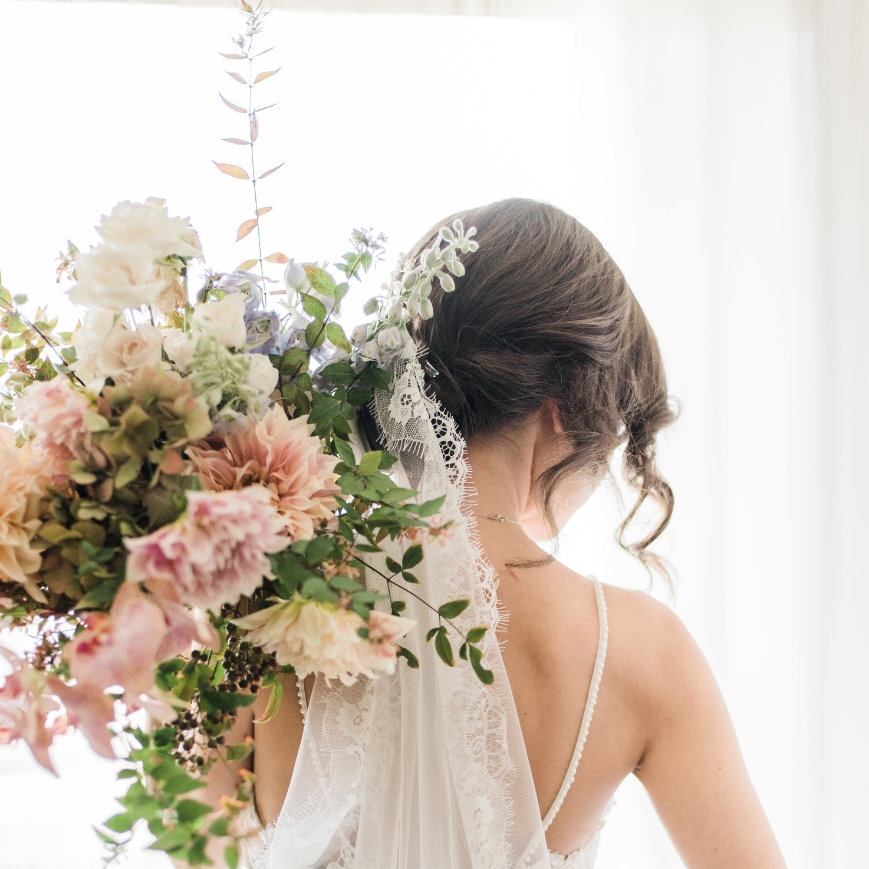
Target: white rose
[[263, 375], [179, 346], [225, 318], [96, 327], [124, 352], [149, 223], [117, 277]]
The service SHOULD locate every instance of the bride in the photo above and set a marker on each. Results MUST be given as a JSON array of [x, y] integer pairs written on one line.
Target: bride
[[530, 376]]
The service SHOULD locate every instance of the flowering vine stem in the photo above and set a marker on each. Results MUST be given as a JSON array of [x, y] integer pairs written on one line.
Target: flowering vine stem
[[48, 342], [406, 590]]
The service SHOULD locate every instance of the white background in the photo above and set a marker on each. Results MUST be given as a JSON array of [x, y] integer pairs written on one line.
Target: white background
[[686, 136]]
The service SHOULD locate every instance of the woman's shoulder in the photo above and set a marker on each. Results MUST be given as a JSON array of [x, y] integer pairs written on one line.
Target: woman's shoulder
[[651, 656]]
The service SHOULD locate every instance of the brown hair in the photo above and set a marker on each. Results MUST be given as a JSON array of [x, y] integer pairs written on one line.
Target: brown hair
[[543, 314]]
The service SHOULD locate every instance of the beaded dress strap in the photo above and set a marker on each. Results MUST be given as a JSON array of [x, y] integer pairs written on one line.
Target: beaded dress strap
[[589, 705]]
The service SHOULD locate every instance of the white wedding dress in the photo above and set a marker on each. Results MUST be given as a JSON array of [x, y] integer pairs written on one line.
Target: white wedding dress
[[425, 769]]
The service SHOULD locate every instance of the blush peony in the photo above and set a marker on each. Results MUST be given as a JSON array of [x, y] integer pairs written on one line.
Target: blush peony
[[216, 552], [24, 475], [149, 223], [281, 454], [55, 411], [324, 638]]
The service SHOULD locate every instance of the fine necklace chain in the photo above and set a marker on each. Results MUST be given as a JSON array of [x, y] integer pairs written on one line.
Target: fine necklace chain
[[497, 517]]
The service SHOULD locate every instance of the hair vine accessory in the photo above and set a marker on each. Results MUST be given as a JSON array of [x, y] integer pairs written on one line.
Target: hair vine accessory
[[407, 295]]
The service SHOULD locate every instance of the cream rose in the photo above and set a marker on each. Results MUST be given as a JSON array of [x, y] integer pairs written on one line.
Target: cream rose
[[225, 318], [149, 223], [95, 329], [179, 346], [124, 352], [263, 375], [117, 277]]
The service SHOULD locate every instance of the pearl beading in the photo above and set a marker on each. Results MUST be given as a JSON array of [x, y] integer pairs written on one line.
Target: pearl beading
[[303, 703], [589, 704]]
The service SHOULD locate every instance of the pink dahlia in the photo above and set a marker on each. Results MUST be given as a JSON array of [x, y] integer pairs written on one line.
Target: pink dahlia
[[324, 638], [280, 454], [216, 552], [55, 410]]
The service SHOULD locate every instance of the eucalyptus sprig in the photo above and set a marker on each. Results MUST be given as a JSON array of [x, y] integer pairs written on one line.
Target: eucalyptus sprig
[[244, 42]]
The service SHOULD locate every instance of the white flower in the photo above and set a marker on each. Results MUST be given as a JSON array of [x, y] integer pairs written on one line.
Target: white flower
[[263, 375], [124, 352], [149, 223], [370, 351], [96, 327], [389, 339], [323, 638], [295, 279], [117, 277], [359, 335], [179, 346], [225, 318]]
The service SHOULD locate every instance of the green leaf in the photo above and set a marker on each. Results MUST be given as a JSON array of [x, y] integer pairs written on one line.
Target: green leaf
[[127, 472], [372, 376], [171, 841], [345, 452], [407, 576], [340, 373], [319, 548], [393, 565], [315, 334], [428, 508], [336, 335], [454, 608], [104, 593], [487, 677], [316, 589], [476, 634], [358, 397], [351, 485], [239, 751], [320, 280], [369, 463], [314, 307], [412, 556], [398, 607], [463, 651], [226, 701], [345, 583], [325, 410], [181, 784], [191, 810], [443, 648], [220, 827], [431, 633], [274, 704], [294, 361], [412, 660], [230, 854], [121, 823]]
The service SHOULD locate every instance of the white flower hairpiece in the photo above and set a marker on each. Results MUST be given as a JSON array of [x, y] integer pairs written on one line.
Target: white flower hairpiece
[[408, 294]]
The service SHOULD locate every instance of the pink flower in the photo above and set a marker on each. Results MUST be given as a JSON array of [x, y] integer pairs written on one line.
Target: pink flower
[[123, 649], [24, 474], [89, 711], [324, 638], [55, 410], [25, 710], [216, 552], [281, 454], [377, 654]]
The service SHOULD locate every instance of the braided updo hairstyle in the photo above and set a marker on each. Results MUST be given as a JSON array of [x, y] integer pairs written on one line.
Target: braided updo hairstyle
[[543, 314]]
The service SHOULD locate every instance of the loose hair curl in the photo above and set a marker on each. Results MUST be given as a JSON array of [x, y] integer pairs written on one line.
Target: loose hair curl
[[543, 314]]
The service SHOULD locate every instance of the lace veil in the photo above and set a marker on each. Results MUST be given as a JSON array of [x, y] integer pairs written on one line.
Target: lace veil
[[425, 769]]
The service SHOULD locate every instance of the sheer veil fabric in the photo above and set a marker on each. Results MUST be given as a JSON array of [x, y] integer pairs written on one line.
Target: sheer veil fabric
[[425, 769]]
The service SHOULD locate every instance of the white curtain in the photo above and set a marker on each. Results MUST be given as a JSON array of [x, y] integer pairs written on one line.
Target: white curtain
[[719, 151]]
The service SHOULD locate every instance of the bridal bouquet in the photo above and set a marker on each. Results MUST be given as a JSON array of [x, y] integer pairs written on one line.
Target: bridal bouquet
[[185, 513]]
